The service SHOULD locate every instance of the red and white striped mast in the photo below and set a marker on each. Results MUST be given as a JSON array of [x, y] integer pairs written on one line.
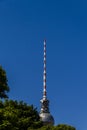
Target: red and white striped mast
[[44, 73]]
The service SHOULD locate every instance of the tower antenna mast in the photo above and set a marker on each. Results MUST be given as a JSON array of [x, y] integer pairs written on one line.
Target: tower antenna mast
[[44, 73]]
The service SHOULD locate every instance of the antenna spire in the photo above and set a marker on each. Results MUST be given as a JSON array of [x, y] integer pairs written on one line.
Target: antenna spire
[[44, 73]]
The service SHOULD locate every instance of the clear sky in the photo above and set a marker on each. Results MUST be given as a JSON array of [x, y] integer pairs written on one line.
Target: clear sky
[[63, 23]]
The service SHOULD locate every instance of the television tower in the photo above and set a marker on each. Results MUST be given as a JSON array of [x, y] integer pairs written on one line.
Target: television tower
[[45, 115]]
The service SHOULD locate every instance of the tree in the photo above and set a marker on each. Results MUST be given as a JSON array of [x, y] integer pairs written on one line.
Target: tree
[[4, 88], [16, 115], [64, 127], [58, 127]]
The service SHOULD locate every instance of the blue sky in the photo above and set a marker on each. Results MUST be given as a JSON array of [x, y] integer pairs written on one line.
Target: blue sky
[[23, 26]]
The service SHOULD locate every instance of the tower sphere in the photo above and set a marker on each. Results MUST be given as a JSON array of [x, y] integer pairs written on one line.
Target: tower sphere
[[47, 118]]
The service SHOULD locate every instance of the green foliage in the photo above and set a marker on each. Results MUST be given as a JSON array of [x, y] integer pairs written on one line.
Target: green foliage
[[64, 127], [4, 88], [58, 127], [46, 128], [18, 116]]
